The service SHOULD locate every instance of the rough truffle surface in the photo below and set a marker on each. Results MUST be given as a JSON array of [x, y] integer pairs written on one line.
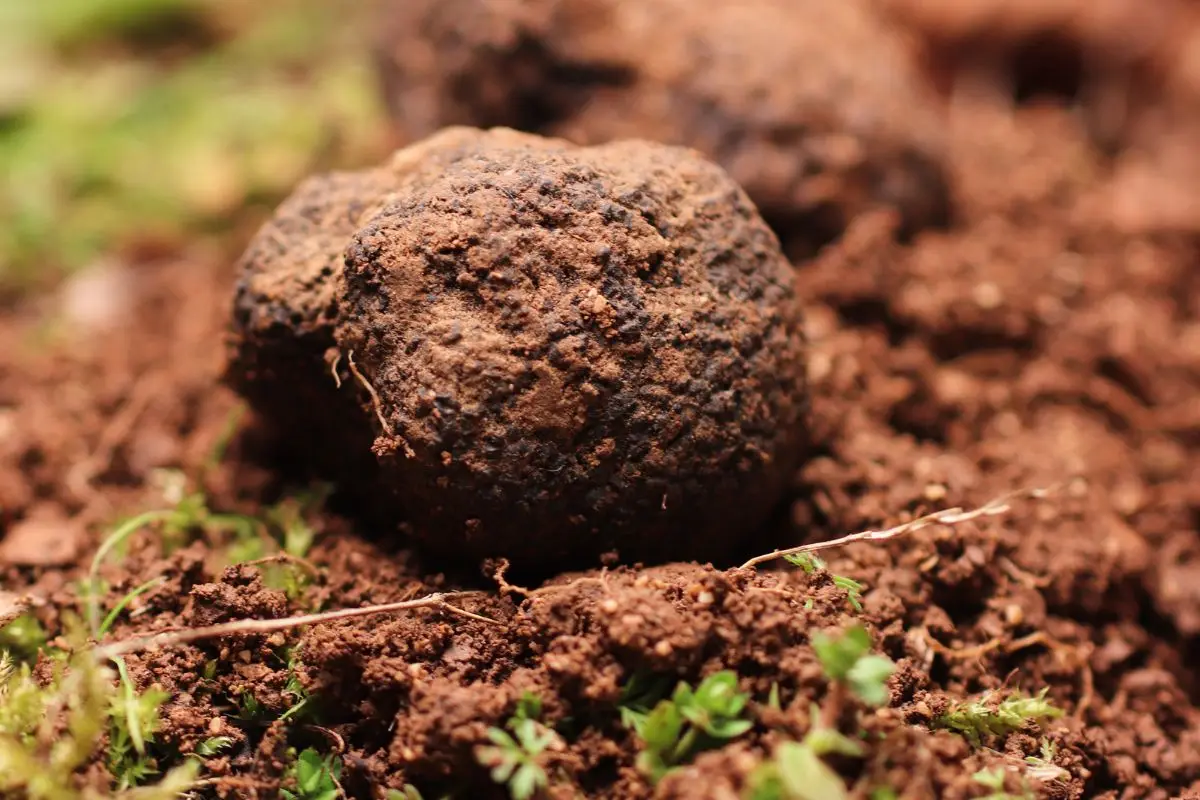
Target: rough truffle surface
[[573, 350], [817, 108], [284, 356]]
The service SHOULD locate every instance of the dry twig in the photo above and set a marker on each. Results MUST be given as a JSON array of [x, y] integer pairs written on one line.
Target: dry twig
[[249, 626], [949, 516]]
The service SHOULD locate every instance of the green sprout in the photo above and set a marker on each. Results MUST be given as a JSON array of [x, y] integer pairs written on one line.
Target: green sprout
[[1042, 766], [773, 701], [984, 718], [22, 637], [314, 777], [689, 722], [812, 564], [515, 758], [994, 779], [639, 696], [48, 733], [797, 770], [112, 616], [135, 718], [295, 689], [847, 661], [212, 746]]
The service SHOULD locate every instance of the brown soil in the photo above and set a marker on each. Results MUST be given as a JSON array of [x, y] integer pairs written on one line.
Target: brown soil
[[1034, 343], [840, 135]]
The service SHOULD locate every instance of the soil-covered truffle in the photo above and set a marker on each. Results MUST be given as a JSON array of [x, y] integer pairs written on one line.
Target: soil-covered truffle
[[569, 350], [816, 108], [284, 310], [284, 358]]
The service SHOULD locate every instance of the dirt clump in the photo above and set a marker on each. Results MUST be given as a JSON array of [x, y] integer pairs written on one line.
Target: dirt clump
[[564, 351], [842, 133]]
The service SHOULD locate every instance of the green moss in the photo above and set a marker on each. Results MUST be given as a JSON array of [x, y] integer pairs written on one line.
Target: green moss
[[106, 148]]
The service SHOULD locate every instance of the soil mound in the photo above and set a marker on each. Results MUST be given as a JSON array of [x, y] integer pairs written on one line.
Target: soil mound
[[843, 132]]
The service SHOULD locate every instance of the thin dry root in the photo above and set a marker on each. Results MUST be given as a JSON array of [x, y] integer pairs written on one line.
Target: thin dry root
[[377, 403], [949, 516], [504, 586], [333, 369], [967, 653], [244, 626]]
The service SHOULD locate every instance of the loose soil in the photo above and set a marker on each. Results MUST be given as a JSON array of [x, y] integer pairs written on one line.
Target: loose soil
[[1035, 342]]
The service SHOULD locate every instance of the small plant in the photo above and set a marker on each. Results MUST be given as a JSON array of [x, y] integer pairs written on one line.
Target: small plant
[[847, 662], [212, 746], [689, 722], [515, 759], [22, 637], [639, 697], [994, 779], [295, 688], [191, 512], [812, 564], [773, 701], [250, 709], [48, 733], [115, 613], [288, 517], [1042, 766], [134, 719], [313, 776], [797, 770], [409, 792], [984, 718]]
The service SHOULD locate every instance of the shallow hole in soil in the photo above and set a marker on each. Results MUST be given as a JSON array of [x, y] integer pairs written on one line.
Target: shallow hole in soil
[[1047, 66], [958, 344]]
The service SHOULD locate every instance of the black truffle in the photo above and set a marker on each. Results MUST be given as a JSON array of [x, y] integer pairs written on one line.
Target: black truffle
[[568, 350]]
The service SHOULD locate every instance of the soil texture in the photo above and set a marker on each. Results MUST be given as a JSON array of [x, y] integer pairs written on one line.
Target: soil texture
[[1041, 338], [841, 134]]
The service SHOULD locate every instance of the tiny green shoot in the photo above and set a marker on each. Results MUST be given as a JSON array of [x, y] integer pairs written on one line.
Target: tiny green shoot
[[797, 770], [514, 758], [212, 746], [847, 661], [689, 722], [985, 718], [994, 779], [1042, 766], [639, 695], [115, 612], [813, 564], [313, 777]]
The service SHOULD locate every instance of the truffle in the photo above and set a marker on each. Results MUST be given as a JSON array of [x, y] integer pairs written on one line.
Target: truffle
[[817, 108], [284, 310], [563, 350], [284, 358]]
